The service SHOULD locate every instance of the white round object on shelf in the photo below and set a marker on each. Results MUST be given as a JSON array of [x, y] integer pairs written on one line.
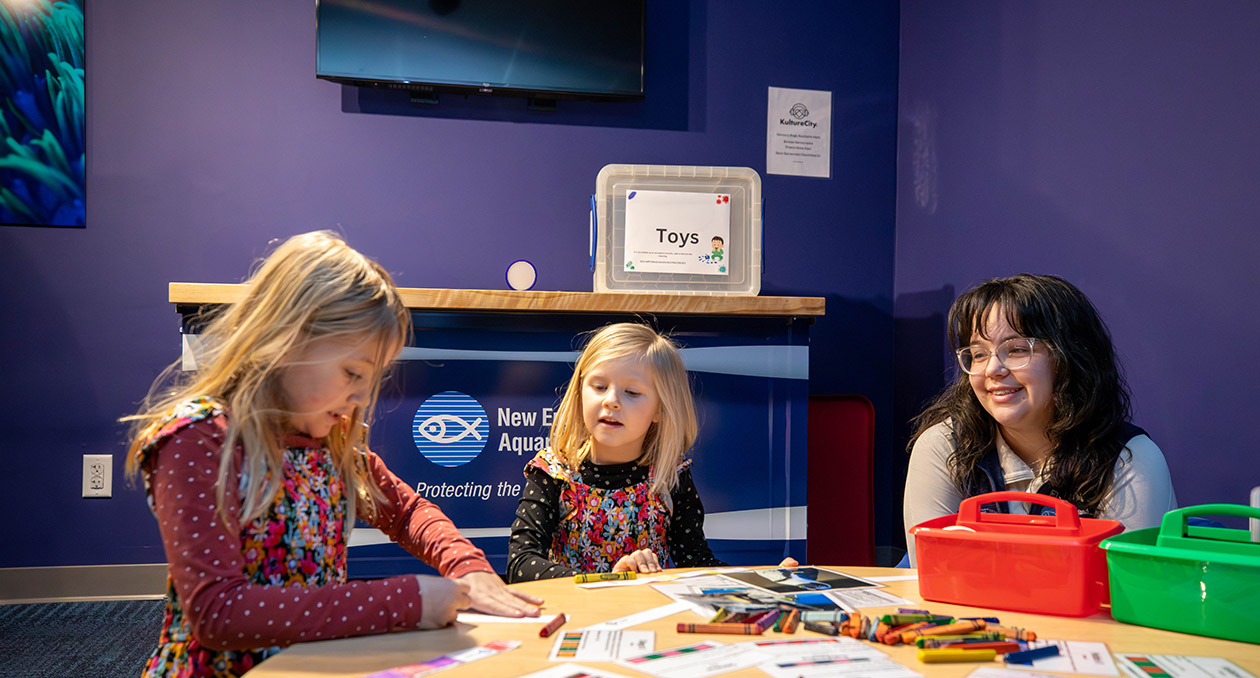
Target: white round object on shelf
[[521, 275]]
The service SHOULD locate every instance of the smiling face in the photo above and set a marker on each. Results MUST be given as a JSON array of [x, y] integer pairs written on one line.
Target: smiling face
[[327, 379], [1021, 400], [619, 405]]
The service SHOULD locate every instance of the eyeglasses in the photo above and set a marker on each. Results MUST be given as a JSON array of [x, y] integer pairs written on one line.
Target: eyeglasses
[[1014, 354]]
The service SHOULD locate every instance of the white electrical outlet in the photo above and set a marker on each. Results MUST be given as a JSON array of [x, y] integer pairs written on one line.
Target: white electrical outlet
[[98, 475]]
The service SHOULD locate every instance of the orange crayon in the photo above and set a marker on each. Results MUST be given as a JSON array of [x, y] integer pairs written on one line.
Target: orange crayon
[[793, 618], [969, 626]]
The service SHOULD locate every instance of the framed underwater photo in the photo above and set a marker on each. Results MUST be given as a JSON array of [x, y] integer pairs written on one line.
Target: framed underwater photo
[[43, 126]]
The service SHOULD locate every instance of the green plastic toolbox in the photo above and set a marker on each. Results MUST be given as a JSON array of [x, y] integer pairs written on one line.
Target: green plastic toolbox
[[1190, 578]]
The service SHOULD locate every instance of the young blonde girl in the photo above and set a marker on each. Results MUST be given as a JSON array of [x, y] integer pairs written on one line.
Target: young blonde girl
[[257, 464], [614, 492]]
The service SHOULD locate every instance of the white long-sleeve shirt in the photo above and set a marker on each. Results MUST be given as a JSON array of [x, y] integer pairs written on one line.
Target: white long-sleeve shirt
[[1141, 490]]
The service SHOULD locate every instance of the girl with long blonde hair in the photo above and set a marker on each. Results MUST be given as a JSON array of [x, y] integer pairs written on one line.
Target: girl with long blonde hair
[[257, 463], [614, 491]]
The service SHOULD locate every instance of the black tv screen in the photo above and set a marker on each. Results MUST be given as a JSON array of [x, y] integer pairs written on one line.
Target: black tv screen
[[543, 48]]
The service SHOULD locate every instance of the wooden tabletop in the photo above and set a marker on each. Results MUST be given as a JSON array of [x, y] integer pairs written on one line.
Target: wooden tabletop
[[366, 654], [422, 299]]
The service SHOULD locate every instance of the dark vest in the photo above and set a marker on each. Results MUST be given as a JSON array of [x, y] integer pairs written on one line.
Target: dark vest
[[990, 478]]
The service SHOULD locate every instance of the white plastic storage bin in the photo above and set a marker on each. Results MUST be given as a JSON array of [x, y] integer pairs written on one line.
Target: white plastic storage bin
[[736, 188]]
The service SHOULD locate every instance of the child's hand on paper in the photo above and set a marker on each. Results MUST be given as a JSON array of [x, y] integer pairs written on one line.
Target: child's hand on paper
[[440, 600], [643, 560], [789, 562], [488, 594]]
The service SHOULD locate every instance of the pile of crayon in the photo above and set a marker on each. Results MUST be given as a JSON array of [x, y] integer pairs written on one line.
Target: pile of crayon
[[940, 638], [748, 622]]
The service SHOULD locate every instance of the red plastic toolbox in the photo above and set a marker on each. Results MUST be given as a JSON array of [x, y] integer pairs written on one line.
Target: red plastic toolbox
[[1041, 564]]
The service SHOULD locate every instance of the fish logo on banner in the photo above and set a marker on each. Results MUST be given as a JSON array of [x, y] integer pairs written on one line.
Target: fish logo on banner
[[450, 429]]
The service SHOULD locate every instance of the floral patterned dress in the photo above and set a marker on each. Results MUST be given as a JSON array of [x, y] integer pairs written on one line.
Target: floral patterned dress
[[597, 526], [299, 540], [238, 593]]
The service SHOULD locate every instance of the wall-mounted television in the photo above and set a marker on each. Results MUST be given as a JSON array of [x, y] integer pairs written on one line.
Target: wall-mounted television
[[545, 49]]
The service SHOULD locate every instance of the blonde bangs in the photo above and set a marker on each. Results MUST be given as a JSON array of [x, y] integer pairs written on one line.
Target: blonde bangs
[[667, 440]]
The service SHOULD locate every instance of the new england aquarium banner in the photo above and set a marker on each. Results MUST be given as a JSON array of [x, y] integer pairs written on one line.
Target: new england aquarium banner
[[42, 123]]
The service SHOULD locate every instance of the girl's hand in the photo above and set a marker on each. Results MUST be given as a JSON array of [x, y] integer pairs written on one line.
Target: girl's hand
[[643, 560], [440, 600], [789, 562], [487, 593]]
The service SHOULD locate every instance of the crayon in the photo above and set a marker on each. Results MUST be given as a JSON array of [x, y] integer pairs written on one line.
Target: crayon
[[778, 622], [602, 576], [942, 641], [766, 620], [793, 619], [1028, 656], [822, 615], [733, 629], [825, 628], [553, 625], [852, 626], [911, 610], [900, 619], [946, 629], [1013, 632], [721, 615], [950, 655], [991, 620], [998, 646], [880, 630], [893, 635]]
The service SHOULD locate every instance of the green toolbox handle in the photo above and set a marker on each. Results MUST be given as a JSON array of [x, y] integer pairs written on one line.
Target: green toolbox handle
[[1175, 533], [1066, 518]]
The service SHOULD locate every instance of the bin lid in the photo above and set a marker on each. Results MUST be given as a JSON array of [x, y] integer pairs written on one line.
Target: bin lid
[[1065, 526]]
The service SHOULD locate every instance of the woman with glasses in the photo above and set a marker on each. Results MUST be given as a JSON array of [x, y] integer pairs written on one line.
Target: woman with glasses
[[1039, 405]]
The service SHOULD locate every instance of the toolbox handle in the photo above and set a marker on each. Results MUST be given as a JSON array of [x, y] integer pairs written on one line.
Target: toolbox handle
[[1176, 532], [1066, 518]]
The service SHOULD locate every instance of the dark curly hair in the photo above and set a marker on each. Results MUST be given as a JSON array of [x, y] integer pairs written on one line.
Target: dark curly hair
[[1089, 426]]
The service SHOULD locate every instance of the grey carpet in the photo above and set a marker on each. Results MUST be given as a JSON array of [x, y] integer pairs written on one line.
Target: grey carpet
[[97, 639]]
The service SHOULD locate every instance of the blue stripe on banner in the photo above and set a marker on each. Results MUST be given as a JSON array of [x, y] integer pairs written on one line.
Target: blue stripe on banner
[[779, 362]]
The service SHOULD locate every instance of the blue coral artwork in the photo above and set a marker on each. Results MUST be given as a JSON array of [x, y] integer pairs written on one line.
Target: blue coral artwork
[[43, 127]]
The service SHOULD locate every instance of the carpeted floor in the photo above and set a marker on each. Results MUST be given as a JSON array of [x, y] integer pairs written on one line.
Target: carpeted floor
[[97, 639]]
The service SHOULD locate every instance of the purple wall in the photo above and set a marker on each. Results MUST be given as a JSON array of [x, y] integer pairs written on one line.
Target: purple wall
[[1114, 144], [209, 136]]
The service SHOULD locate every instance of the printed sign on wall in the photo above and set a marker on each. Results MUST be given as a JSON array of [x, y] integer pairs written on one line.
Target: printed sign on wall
[[678, 232]]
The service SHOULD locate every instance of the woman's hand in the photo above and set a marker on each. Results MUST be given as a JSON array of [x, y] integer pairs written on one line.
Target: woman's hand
[[643, 560], [487, 593], [440, 600], [789, 562]]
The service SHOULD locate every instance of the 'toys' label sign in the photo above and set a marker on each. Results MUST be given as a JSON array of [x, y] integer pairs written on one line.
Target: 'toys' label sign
[[450, 429]]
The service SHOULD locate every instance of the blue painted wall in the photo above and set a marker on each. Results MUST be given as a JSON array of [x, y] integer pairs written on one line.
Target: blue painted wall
[[1114, 144], [208, 135]]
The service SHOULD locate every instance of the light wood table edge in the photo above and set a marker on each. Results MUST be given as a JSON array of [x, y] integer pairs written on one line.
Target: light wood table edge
[[426, 299]]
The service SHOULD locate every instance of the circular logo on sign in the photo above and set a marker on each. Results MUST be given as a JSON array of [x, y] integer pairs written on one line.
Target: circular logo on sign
[[450, 429], [799, 112]]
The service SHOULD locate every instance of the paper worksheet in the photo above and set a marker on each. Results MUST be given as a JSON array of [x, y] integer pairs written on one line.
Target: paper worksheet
[[475, 618], [572, 671], [642, 617], [601, 645], [706, 658], [1074, 656], [853, 599], [1144, 665], [817, 657]]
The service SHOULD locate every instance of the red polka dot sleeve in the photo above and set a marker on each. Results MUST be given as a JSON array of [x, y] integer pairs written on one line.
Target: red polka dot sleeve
[[225, 610], [421, 528]]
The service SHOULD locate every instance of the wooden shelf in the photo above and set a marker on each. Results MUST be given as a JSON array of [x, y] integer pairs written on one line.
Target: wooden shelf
[[422, 299]]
